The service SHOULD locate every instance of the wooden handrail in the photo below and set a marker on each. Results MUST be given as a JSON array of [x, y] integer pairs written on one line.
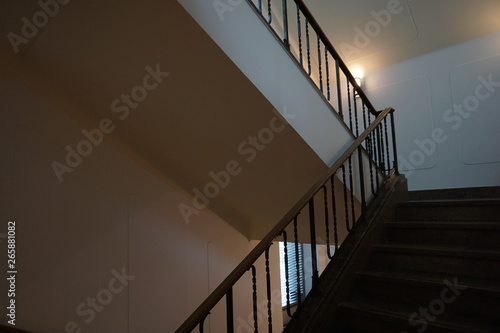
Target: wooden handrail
[[312, 21], [203, 310], [11, 329]]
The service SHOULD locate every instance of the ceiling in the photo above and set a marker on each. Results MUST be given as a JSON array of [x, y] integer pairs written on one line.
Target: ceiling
[[413, 28]]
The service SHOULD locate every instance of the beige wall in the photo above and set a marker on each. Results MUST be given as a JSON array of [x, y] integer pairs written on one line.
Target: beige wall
[[108, 217]]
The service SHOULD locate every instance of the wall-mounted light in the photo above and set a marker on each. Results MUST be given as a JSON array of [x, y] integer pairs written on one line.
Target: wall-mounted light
[[358, 81], [358, 73]]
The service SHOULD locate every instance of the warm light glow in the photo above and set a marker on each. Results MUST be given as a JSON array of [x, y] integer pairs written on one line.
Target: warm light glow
[[358, 80], [358, 72]]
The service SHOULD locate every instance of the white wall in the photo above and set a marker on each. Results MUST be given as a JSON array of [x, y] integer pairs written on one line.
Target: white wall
[[439, 145], [244, 37], [109, 216], [241, 34]]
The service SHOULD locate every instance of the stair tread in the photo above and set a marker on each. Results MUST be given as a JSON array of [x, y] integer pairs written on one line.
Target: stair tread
[[463, 202], [460, 325], [439, 250], [486, 285], [444, 224]]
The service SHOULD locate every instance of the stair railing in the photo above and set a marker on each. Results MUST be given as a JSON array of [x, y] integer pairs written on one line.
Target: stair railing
[[302, 36], [360, 160]]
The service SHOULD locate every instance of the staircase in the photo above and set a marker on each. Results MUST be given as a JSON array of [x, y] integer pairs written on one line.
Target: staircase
[[436, 268], [421, 265]]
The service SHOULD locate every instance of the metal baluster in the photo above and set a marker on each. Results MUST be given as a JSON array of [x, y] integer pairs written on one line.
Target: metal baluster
[[334, 208], [319, 63], [351, 183], [349, 104], [346, 206], [285, 24], [382, 145], [202, 324], [254, 299], [378, 154], [297, 260], [355, 109], [312, 224], [371, 161], [362, 180], [260, 6], [308, 48], [388, 157], [380, 132], [371, 136], [365, 124], [229, 311], [287, 284], [327, 75], [269, 13], [369, 147], [364, 115], [394, 147], [327, 222], [268, 287], [299, 29], [339, 89], [373, 141], [369, 115]]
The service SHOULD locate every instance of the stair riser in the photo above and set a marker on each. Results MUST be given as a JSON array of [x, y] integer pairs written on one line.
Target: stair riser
[[448, 265], [448, 213], [356, 322], [451, 237], [467, 193], [448, 299]]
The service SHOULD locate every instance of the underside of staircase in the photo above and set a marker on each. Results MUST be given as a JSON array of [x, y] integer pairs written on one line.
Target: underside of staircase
[[433, 266]]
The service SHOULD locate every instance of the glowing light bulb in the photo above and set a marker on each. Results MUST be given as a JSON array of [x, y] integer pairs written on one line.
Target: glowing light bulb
[[357, 71]]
